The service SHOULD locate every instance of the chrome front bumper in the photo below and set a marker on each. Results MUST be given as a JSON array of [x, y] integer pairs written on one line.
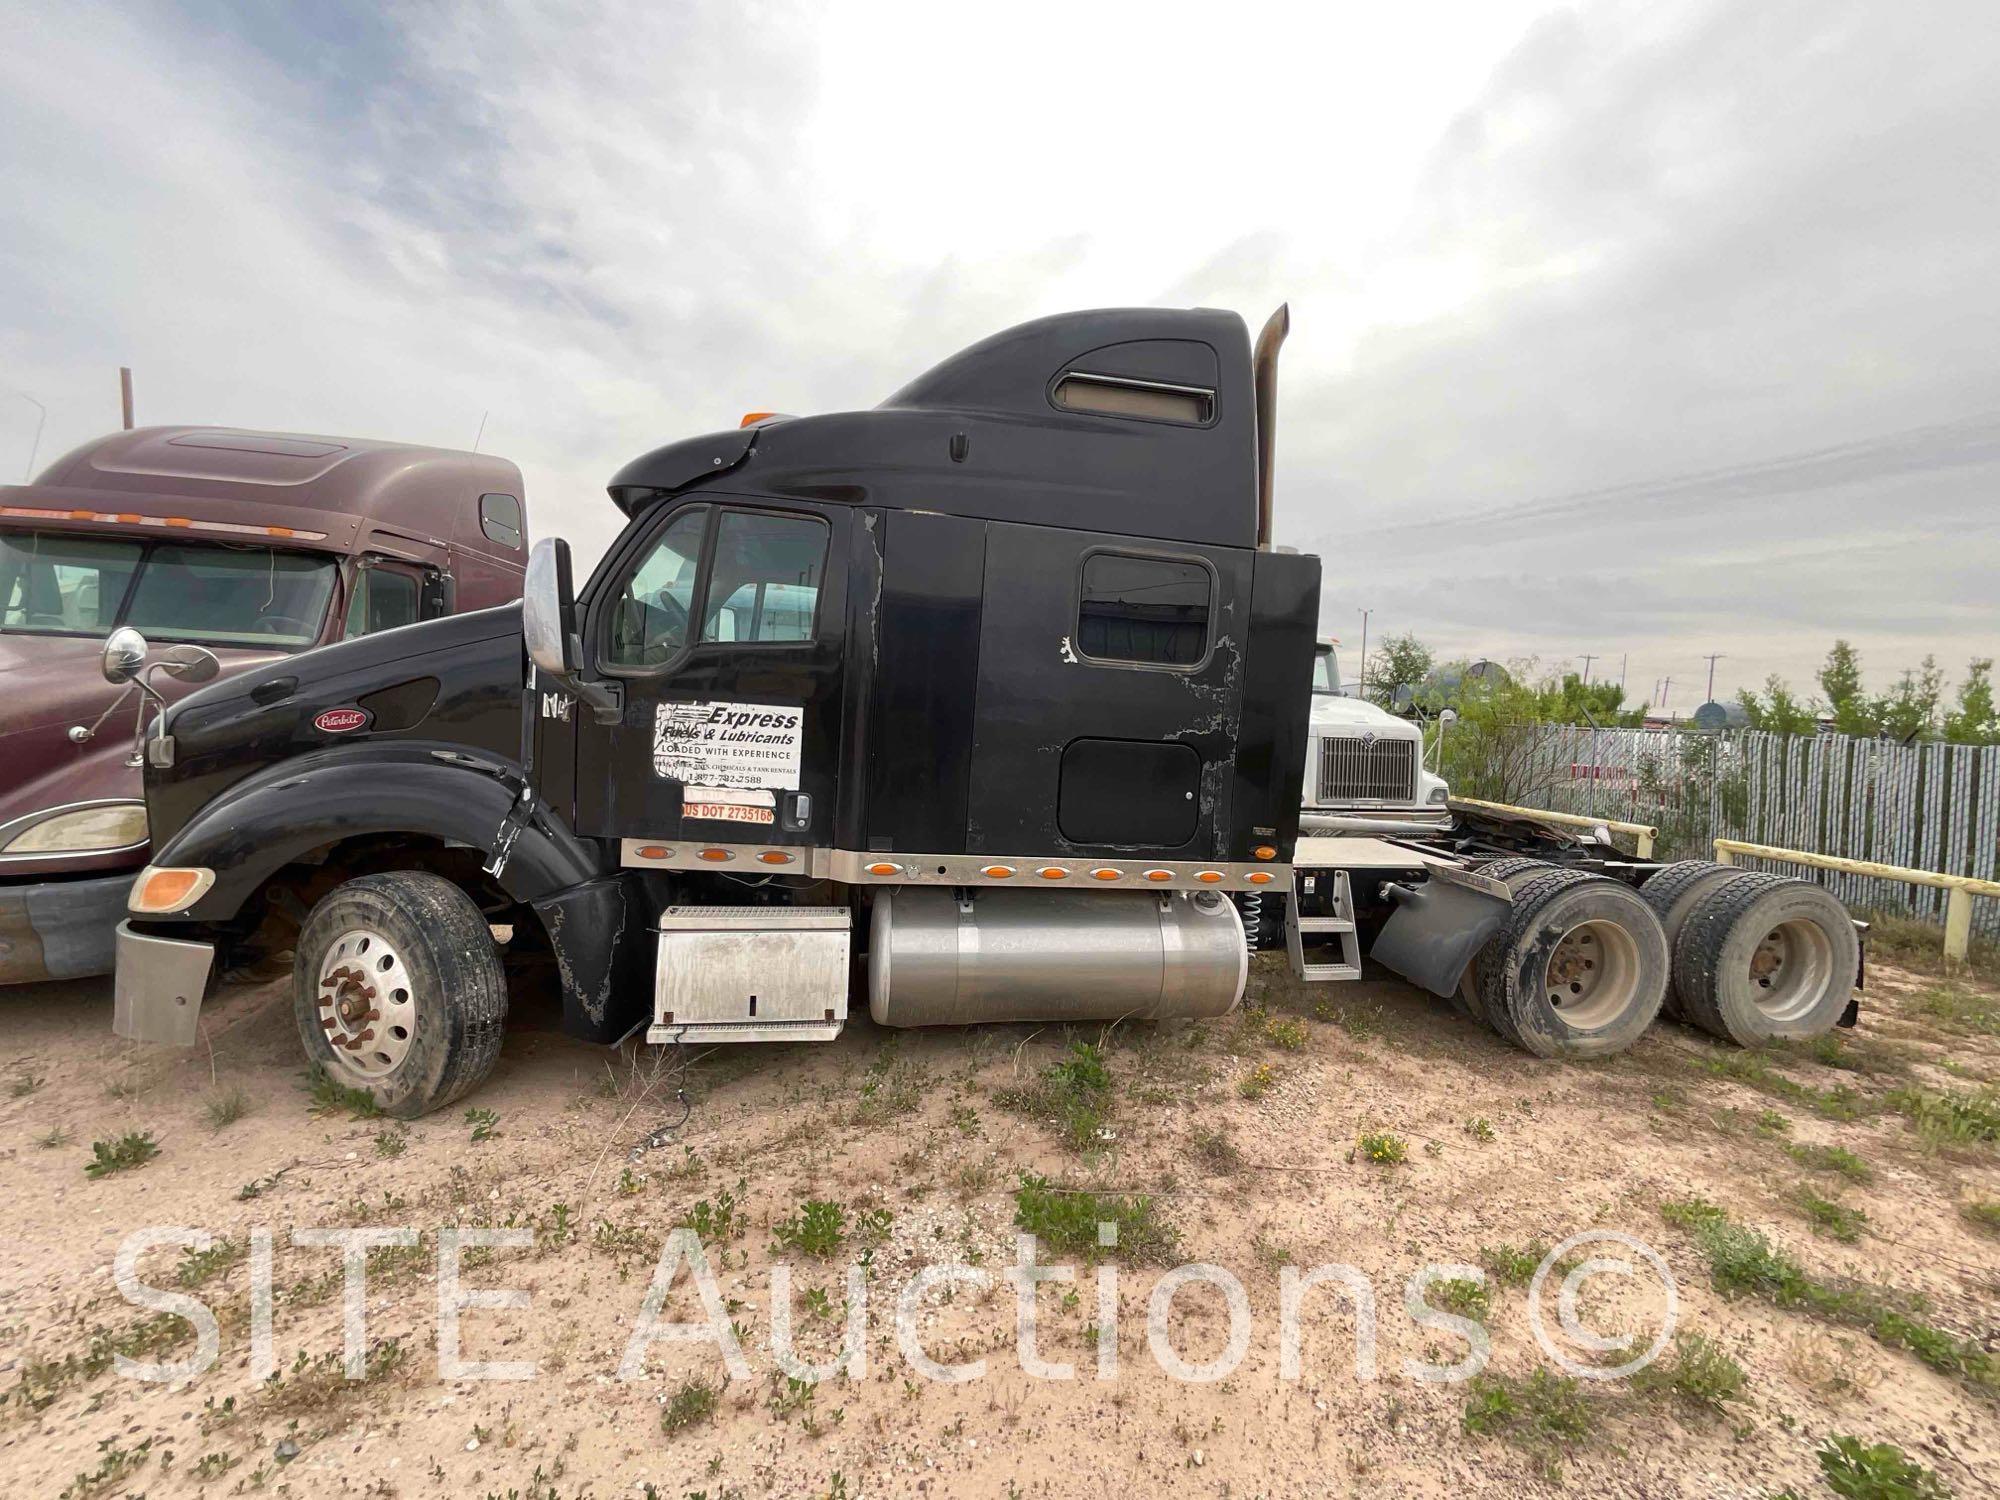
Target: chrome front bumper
[[158, 992], [60, 929]]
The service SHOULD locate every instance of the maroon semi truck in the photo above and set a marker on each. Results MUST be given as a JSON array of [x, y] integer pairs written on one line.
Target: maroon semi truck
[[249, 545]]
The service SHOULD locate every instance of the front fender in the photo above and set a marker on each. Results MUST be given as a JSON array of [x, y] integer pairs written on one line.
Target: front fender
[[279, 815]]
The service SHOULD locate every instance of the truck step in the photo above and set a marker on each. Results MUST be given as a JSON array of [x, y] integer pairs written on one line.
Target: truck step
[[1329, 973], [1326, 924], [1324, 950]]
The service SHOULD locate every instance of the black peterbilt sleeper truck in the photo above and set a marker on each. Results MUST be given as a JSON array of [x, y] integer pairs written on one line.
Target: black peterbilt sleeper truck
[[991, 699]]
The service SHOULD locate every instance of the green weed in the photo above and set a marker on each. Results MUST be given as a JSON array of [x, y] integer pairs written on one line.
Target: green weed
[[1383, 1149], [694, 1403], [817, 1229], [1700, 1374], [224, 1107], [132, 1149], [1066, 1220], [1880, 1471], [327, 1095], [1831, 1159], [1827, 1217]]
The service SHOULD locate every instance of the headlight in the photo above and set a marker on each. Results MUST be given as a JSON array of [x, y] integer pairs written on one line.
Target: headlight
[[115, 825], [1440, 794]]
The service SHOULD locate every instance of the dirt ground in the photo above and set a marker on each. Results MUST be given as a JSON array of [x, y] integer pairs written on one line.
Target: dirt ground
[[1251, 1138]]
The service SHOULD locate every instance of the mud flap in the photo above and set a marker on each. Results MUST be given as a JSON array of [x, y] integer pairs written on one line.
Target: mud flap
[[600, 957], [1438, 926]]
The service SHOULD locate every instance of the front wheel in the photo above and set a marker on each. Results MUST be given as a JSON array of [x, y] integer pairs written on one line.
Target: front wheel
[[398, 991]]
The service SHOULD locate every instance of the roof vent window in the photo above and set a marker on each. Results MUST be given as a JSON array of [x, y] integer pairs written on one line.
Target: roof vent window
[[1116, 396]]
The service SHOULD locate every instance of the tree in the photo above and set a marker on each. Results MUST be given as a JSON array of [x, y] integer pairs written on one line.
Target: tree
[[1974, 721], [1909, 710], [1400, 661], [1779, 711], [1840, 680]]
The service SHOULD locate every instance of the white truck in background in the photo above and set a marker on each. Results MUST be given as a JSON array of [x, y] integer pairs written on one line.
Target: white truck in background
[[1363, 762]]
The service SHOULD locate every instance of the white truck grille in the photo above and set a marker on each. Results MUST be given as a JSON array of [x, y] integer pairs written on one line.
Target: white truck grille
[[1355, 770]]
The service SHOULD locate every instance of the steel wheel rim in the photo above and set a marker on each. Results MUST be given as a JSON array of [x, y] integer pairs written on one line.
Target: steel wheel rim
[[366, 1004], [1789, 969], [1593, 975]]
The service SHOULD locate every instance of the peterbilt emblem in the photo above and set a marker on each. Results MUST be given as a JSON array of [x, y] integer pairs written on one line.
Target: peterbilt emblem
[[341, 720], [1367, 739]]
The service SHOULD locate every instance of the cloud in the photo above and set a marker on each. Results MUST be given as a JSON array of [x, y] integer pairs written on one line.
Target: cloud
[[1727, 380], [1641, 329]]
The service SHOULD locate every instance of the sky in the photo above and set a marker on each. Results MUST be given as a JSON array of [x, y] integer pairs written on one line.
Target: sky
[[1637, 330]]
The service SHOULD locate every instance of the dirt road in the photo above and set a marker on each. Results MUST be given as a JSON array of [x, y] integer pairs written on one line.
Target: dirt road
[[1363, 1125]]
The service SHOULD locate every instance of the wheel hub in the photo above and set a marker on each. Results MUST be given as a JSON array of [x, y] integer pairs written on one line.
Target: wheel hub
[[365, 1004], [1592, 974], [1790, 970]]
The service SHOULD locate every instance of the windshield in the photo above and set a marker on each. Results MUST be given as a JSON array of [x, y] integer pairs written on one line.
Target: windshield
[[56, 584], [1326, 672]]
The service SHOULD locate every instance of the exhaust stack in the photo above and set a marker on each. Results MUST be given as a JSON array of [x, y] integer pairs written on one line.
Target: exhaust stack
[[1264, 381]]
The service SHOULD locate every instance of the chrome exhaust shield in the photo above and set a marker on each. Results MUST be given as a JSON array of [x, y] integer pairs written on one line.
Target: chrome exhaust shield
[[1264, 382]]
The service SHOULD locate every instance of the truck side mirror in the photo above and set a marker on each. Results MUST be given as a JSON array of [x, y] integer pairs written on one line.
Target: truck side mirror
[[548, 627], [548, 608], [124, 655], [189, 663]]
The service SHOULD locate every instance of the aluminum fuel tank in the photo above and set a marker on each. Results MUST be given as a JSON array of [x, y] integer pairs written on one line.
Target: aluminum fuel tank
[[943, 957]]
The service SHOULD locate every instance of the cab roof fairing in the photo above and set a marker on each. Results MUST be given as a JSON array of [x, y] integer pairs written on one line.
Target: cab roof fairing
[[345, 488], [981, 435]]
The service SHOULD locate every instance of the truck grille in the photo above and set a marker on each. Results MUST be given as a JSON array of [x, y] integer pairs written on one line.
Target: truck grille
[[1353, 771]]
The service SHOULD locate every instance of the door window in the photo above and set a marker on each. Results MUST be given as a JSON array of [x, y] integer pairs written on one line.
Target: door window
[[383, 599], [765, 581], [649, 621]]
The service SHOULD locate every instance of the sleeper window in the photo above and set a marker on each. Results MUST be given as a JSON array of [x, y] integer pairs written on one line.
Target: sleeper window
[[500, 519], [1145, 610], [764, 585]]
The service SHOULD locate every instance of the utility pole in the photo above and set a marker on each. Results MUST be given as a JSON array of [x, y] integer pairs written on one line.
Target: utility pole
[[1362, 689], [1712, 659], [125, 393], [1666, 692], [1587, 660], [1621, 675], [43, 421]]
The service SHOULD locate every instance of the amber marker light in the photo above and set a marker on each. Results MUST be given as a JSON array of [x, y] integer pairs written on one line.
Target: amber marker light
[[998, 872], [1053, 872], [715, 856], [1265, 851], [1107, 873], [1159, 877], [752, 418], [775, 857], [883, 867], [164, 890], [655, 851], [1208, 877], [1259, 877]]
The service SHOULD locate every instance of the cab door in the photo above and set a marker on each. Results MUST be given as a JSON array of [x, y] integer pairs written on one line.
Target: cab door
[[721, 622]]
